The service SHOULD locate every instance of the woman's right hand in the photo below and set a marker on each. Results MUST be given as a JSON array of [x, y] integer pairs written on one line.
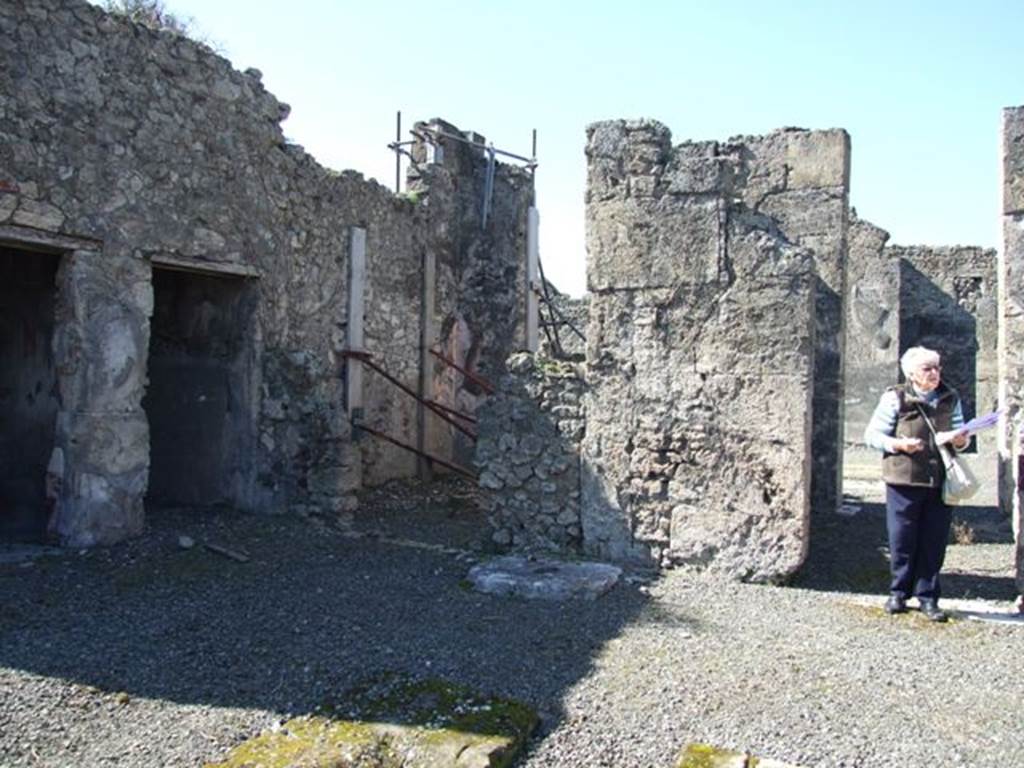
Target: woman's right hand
[[907, 444]]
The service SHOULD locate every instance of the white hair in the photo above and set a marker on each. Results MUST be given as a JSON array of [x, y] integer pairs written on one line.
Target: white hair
[[915, 357]]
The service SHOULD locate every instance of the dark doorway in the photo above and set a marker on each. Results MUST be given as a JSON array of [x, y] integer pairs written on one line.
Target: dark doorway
[[28, 389], [199, 393]]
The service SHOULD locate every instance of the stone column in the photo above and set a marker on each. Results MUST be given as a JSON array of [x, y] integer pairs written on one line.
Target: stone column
[[872, 341], [1011, 331], [101, 345]]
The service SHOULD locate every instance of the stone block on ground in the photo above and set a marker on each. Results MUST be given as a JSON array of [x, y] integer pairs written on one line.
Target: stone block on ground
[[395, 721], [543, 579]]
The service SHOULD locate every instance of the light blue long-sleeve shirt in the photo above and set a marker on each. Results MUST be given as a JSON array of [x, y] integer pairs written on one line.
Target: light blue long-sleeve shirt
[[880, 431]]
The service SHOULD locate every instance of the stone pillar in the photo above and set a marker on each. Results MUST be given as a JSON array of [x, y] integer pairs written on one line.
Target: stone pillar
[[872, 341], [1011, 331], [101, 345], [801, 179], [699, 361]]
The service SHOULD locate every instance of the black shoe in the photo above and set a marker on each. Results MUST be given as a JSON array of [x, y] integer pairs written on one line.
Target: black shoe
[[930, 609], [896, 604]]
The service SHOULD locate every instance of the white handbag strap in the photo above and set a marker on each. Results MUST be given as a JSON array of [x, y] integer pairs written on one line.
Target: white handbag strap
[[944, 452]]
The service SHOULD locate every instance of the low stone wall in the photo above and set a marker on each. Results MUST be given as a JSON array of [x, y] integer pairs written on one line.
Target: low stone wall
[[528, 454]]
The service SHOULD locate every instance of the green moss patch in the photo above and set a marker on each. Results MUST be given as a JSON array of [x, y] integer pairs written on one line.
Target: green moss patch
[[707, 756], [395, 722]]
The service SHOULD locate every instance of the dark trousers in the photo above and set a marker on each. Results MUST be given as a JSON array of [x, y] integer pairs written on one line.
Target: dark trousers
[[918, 521]]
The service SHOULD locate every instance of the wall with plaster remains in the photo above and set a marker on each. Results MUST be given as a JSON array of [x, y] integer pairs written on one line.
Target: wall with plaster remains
[[700, 353], [1011, 330], [126, 150]]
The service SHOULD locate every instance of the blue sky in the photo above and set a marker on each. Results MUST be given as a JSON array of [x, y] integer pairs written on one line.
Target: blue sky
[[918, 85]]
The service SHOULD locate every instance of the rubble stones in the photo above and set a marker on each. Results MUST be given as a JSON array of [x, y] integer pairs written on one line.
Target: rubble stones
[[528, 454]]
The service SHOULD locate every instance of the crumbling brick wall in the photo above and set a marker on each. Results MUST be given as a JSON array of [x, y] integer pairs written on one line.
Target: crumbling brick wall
[[1011, 330], [127, 150], [700, 350]]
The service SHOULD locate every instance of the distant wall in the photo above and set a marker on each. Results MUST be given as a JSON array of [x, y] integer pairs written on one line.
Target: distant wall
[[948, 302]]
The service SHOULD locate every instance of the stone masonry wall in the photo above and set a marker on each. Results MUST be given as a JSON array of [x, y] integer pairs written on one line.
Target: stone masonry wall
[[1011, 330], [128, 149], [569, 310], [479, 312], [700, 350], [529, 454], [802, 180], [872, 340], [948, 302]]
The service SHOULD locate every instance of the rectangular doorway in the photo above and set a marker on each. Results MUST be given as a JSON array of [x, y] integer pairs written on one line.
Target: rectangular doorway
[[199, 397], [28, 389]]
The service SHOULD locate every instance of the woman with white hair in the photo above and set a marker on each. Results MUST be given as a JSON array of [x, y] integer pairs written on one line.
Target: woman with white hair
[[917, 518]]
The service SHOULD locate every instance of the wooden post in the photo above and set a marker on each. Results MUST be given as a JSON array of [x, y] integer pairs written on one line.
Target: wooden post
[[532, 280], [356, 313]]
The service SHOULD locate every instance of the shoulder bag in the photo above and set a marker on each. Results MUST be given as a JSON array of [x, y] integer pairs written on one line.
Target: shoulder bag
[[960, 483]]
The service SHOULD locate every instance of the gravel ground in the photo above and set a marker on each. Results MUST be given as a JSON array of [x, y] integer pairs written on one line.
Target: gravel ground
[[147, 654]]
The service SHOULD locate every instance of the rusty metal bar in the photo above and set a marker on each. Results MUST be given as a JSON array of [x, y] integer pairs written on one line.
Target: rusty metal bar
[[561, 317], [365, 357], [453, 412], [530, 161], [476, 378], [417, 451]]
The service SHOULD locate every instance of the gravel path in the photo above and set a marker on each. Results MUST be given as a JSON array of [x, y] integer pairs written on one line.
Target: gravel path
[[147, 654]]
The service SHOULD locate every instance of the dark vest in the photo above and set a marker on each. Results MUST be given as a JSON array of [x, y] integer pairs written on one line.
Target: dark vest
[[923, 468]]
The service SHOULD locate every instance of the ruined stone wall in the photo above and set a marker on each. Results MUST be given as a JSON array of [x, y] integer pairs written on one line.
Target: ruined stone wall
[[1011, 330], [480, 296], [570, 313], [700, 350], [948, 302], [900, 296], [529, 454], [129, 149], [801, 179], [872, 340]]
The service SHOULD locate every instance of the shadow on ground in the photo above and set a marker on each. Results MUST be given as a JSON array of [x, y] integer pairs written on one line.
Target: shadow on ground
[[849, 553], [316, 609]]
